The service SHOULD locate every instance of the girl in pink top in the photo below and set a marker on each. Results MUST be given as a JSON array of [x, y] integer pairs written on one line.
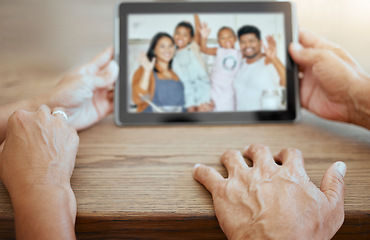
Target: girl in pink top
[[225, 67]]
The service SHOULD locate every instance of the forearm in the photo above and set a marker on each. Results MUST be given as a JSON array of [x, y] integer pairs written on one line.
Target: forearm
[[197, 37], [7, 110], [45, 212], [203, 44], [206, 50], [280, 68], [144, 80], [360, 106]]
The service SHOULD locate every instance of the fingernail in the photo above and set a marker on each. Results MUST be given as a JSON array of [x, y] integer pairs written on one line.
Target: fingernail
[[297, 46], [342, 168], [196, 166]]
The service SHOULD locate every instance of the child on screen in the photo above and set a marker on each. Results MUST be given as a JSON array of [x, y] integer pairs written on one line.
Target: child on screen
[[189, 66], [225, 67]]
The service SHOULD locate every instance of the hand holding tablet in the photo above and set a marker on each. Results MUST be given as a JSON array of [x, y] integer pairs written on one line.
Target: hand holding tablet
[[239, 72]]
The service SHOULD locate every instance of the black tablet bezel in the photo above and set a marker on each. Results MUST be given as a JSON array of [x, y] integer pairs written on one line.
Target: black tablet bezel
[[123, 117]]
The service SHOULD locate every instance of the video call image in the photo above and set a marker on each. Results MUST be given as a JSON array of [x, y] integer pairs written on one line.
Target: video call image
[[180, 63]]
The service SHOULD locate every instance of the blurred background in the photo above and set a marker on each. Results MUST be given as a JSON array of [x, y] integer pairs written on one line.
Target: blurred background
[[45, 38]]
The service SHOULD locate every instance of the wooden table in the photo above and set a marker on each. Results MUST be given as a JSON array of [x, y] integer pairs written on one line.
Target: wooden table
[[136, 182]]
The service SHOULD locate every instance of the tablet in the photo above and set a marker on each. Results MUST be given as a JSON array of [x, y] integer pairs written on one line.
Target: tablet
[[205, 63]]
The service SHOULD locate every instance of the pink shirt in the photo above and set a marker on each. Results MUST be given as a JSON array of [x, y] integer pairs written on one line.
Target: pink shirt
[[224, 71]]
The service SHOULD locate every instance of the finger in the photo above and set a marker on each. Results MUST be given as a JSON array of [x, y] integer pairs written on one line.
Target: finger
[[44, 108], [304, 56], [107, 76], [207, 176], [291, 158], [261, 157], [44, 111], [110, 97], [332, 184], [310, 40], [270, 40], [99, 62], [233, 161], [59, 113], [153, 61]]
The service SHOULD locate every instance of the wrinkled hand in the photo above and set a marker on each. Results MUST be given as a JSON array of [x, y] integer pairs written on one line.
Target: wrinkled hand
[[271, 201], [205, 31], [86, 94], [39, 149], [145, 63], [330, 76]]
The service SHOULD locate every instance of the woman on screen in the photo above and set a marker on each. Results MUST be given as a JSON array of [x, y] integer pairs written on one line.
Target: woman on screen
[[155, 87]]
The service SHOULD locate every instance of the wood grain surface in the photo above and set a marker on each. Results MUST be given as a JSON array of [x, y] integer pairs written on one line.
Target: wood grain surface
[[136, 182]]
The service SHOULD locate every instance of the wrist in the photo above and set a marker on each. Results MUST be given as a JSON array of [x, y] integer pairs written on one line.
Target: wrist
[[45, 197], [359, 106], [25, 183], [45, 211]]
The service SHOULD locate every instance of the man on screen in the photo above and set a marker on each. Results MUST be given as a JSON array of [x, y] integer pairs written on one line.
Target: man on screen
[[260, 74]]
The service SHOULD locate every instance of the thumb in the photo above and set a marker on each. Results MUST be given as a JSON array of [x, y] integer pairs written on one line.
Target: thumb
[[99, 62], [332, 184], [304, 56], [107, 76]]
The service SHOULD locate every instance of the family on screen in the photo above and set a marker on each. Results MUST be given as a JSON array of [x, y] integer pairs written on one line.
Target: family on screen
[[172, 76]]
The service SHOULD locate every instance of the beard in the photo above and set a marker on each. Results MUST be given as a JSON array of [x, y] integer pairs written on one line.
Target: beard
[[252, 56]]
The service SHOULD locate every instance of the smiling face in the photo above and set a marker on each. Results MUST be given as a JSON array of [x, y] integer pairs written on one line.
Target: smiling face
[[226, 38], [250, 45], [182, 37], [164, 49]]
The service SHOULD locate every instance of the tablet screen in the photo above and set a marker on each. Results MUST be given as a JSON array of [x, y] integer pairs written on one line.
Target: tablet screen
[[233, 70], [200, 64]]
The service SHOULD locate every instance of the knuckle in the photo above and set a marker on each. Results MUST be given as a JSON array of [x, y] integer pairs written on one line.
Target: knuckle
[[257, 148], [18, 115], [337, 180], [228, 154], [293, 151]]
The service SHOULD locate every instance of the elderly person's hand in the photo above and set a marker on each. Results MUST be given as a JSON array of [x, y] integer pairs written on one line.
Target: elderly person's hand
[[271, 201], [86, 94], [36, 163], [333, 84]]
